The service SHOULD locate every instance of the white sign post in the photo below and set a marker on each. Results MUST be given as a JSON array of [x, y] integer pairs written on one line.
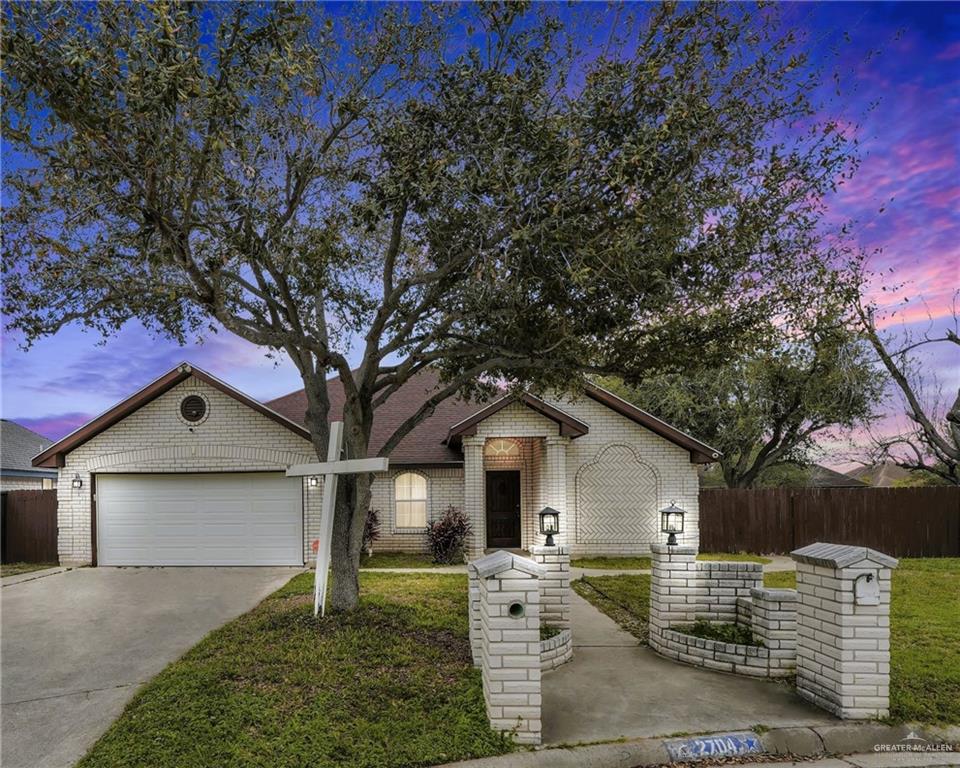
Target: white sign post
[[331, 469]]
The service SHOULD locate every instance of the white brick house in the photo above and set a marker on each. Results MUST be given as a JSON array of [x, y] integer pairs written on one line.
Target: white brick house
[[190, 471]]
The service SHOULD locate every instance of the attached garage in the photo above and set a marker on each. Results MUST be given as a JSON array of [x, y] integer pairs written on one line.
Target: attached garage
[[239, 518]]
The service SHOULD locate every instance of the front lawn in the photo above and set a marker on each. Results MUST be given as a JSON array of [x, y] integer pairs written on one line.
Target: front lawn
[[397, 560], [15, 569], [924, 630], [389, 685], [612, 563], [734, 557]]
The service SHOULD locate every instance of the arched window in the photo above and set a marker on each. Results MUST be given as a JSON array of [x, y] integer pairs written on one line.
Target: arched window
[[501, 449], [410, 493]]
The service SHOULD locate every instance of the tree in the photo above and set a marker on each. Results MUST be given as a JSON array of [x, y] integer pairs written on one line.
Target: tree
[[932, 447], [375, 192], [767, 409]]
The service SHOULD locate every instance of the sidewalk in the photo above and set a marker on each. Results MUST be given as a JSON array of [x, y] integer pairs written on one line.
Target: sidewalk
[[615, 688]]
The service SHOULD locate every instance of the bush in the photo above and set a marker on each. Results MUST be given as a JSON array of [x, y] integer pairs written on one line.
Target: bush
[[371, 530], [448, 535], [725, 633]]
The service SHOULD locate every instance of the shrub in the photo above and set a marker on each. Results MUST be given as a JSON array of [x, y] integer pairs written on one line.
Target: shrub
[[725, 633], [371, 530], [448, 535]]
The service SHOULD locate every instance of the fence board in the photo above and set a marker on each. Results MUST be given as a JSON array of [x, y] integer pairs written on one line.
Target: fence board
[[903, 522], [30, 527]]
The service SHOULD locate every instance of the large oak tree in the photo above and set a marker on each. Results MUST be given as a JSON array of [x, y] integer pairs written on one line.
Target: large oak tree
[[502, 191]]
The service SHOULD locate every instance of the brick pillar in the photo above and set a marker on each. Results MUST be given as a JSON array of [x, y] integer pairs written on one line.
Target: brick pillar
[[843, 629], [674, 591], [473, 494], [476, 627], [554, 489], [554, 586], [773, 621], [509, 601]]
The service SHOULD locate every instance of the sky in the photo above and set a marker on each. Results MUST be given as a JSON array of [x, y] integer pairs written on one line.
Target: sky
[[910, 138]]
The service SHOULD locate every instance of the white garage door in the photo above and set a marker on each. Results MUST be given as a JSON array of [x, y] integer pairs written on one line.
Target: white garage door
[[199, 519]]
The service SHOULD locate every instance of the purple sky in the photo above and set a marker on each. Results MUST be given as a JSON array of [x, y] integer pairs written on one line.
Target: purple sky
[[911, 144]]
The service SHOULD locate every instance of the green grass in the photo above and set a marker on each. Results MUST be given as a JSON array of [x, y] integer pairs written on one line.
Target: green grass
[[780, 580], [924, 630], [397, 560], [612, 563], [15, 569], [734, 557], [391, 684]]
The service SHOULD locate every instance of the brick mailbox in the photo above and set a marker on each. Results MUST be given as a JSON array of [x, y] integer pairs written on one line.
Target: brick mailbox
[[843, 629]]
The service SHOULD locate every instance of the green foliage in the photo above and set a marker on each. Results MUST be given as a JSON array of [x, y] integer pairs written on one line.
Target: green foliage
[[764, 411], [547, 632], [391, 684], [723, 632]]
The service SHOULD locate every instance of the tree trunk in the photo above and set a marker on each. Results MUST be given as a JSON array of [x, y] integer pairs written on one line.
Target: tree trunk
[[350, 516]]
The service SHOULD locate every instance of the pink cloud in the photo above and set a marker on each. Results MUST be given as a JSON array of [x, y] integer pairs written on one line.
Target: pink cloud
[[57, 425], [949, 53]]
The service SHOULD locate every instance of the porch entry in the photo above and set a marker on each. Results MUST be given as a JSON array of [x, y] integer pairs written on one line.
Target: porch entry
[[503, 508]]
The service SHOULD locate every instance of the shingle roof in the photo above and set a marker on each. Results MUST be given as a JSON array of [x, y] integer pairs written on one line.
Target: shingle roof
[[18, 445], [425, 442]]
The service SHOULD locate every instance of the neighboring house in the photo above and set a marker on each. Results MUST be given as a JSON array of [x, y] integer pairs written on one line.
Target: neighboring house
[[883, 475], [823, 477], [189, 471], [18, 445]]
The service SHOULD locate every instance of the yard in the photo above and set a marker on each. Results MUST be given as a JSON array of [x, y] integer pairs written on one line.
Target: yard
[[643, 563], [397, 560], [925, 630], [389, 685], [15, 569]]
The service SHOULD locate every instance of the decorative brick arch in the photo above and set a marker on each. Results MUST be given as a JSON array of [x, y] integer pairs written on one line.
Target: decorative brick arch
[[617, 494]]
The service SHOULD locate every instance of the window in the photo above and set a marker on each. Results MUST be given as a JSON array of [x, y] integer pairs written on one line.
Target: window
[[501, 449], [410, 492]]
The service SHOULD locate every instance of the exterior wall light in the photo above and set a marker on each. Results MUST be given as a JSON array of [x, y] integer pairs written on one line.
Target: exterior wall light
[[314, 481], [549, 524], [671, 523], [77, 482]]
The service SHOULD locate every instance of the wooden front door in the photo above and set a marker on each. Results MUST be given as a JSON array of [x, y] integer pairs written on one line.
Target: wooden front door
[[503, 509]]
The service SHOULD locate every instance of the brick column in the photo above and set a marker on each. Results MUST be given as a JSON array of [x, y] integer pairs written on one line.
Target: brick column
[[473, 494], [509, 600], [476, 627], [673, 591], [554, 492], [773, 621], [843, 629], [554, 586]]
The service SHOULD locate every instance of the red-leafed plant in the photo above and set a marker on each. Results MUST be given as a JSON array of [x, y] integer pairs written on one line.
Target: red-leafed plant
[[371, 530], [448, 535]]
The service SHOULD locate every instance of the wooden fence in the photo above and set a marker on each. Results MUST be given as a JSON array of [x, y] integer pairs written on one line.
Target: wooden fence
[[903, 522], [29, 526]]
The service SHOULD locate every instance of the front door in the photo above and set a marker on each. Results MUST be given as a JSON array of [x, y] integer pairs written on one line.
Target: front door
[[503, 509]]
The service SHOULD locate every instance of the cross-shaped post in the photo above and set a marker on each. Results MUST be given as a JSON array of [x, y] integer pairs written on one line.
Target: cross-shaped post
[[331, 469]]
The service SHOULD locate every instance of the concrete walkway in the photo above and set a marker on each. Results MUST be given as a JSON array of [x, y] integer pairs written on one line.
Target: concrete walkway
[[615, 688], [76, 645]]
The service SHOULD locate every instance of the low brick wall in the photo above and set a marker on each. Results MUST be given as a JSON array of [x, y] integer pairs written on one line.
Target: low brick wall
[[685, 590], [556, 650]]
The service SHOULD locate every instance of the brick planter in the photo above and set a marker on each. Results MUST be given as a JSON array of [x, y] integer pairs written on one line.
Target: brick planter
[[556, 650], [752, 660]]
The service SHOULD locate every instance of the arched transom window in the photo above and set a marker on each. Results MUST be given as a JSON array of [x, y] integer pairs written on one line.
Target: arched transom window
[[501, 449], [410, 493]]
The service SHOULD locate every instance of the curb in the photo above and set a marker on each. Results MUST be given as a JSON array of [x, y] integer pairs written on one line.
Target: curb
[[802, 741], [20, 578]]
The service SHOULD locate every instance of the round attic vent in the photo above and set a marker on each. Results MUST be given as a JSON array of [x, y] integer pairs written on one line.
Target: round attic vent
[[193, 408]]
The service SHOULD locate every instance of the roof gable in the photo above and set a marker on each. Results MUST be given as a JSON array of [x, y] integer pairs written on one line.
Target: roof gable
[[568, 425], [53, 456]]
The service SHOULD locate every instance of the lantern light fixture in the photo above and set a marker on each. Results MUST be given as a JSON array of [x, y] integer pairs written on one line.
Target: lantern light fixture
[[549, 524], [77, 481], [671, 523]]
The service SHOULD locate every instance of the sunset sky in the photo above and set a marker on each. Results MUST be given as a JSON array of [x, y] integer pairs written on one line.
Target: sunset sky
[[910, 168]]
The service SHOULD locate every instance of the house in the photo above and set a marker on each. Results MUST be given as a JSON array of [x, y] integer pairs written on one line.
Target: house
[[17, 446], [189, 471], [883, 475]]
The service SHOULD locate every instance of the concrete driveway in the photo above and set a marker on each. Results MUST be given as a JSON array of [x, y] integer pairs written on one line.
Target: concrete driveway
[[76, 645]]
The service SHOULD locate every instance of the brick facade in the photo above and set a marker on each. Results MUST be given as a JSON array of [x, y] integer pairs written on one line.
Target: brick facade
[[12, 483]]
